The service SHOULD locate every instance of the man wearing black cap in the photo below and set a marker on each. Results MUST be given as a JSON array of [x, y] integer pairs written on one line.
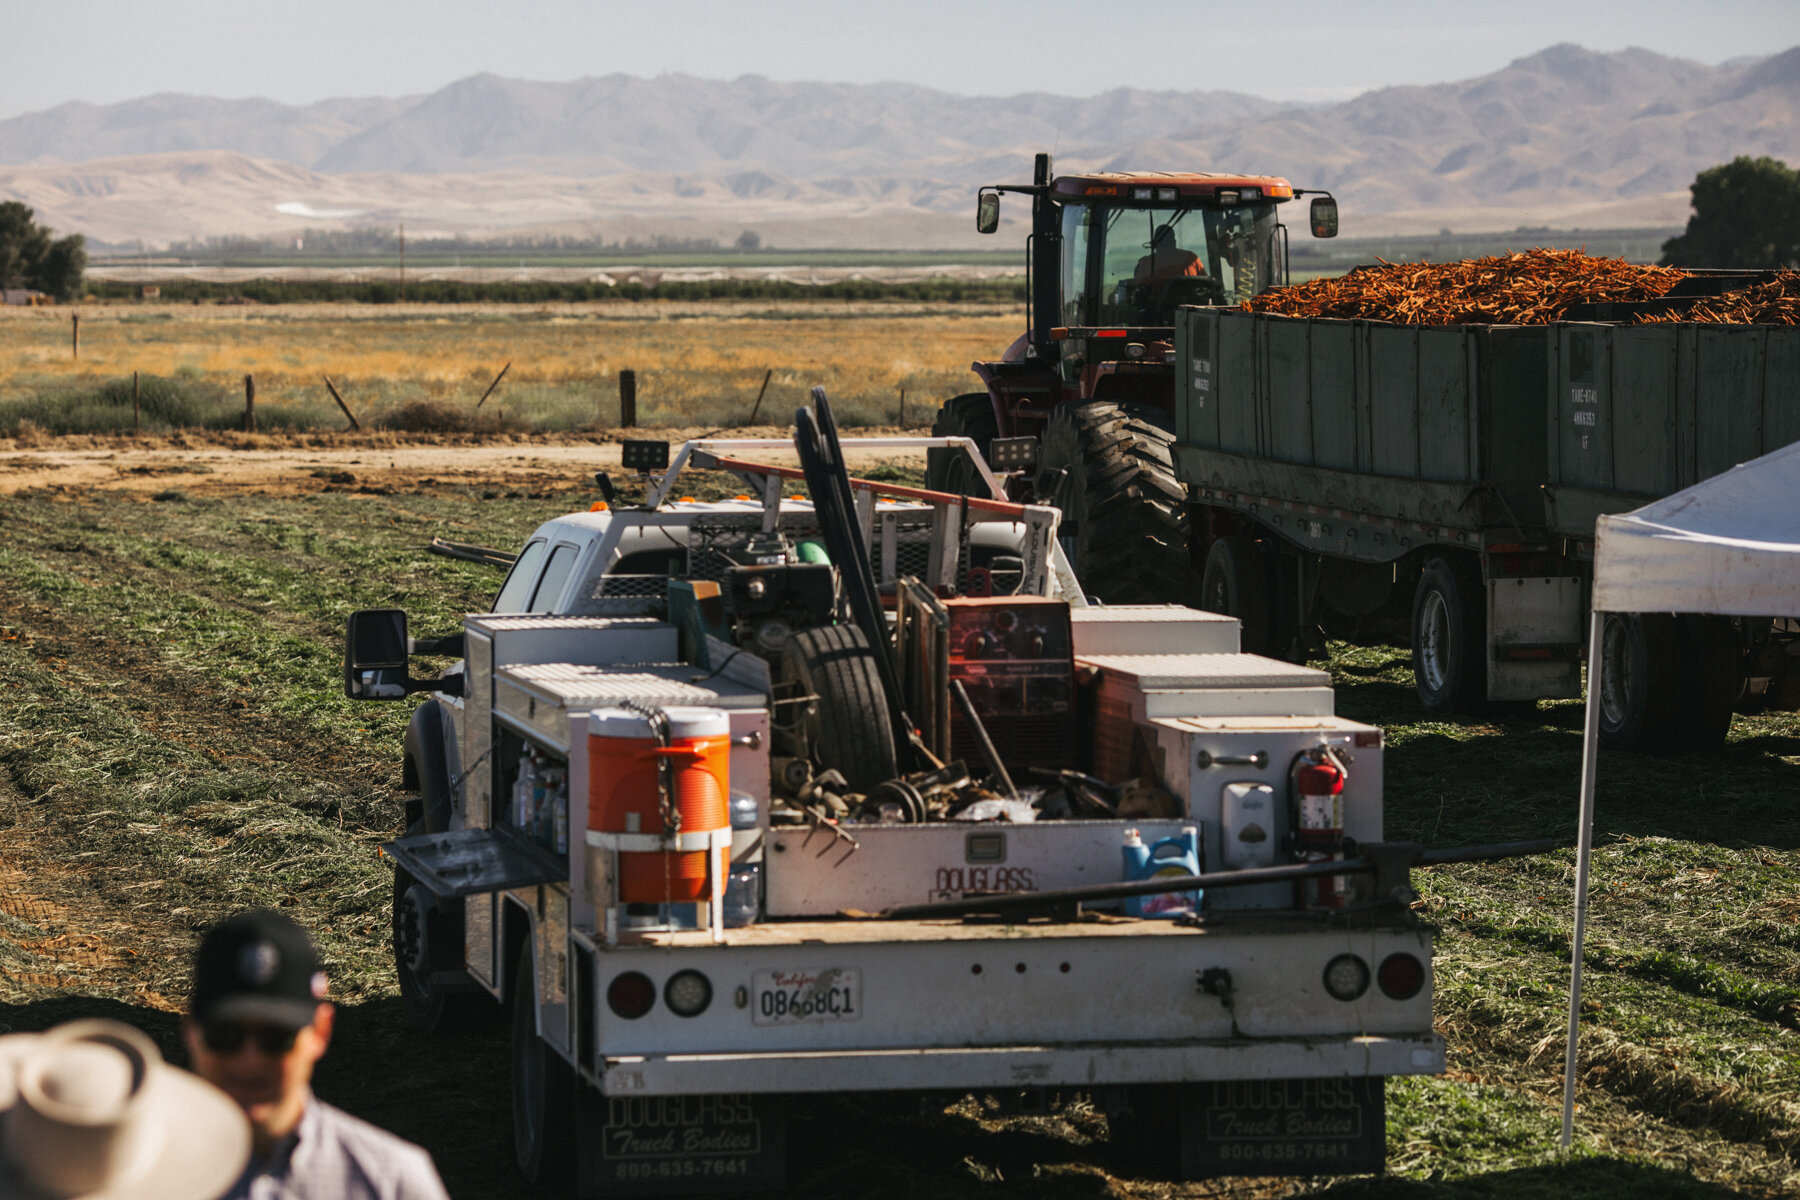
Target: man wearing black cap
[[257, 1023]]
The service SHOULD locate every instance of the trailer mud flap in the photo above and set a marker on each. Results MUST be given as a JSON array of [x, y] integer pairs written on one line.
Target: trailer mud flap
[[1254, 1127], [680, 1145]]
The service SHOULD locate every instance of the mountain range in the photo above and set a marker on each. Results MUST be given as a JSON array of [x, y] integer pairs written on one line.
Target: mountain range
[[1567, 136]]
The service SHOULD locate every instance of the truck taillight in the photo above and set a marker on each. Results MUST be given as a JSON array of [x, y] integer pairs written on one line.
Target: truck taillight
[[631, 995], [1401, 976], [1346, 977], [687, 993]]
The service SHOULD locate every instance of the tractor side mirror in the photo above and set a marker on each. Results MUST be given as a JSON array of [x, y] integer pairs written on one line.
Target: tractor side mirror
[[1324, 217], [987, 212], [375, 655]]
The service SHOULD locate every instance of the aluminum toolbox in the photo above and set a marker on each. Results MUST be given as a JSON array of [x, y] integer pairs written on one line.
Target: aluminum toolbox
[[538, 699], [1151, 629], [1203, 757], [591, 641], [815, 872], [1137, 688]]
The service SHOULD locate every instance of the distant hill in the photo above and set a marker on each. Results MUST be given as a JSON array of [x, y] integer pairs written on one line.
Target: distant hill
[[1567, 136]]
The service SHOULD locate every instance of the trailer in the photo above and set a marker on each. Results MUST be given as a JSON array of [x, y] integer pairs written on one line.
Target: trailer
[[1337, 467], [650, 820]]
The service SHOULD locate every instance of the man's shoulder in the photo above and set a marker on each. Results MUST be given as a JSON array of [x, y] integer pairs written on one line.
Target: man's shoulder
[[374, 1150]]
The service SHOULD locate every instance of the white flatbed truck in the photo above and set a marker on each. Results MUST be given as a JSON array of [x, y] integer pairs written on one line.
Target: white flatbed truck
[[653, 1044]]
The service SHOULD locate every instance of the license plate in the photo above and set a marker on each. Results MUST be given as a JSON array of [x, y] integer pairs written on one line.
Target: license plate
[[806, 997]]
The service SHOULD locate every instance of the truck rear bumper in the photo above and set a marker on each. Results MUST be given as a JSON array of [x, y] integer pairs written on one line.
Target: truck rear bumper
[[1020, 1066]]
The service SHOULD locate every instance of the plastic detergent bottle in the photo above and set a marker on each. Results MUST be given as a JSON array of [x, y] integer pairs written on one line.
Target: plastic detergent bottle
[[1178, 855]]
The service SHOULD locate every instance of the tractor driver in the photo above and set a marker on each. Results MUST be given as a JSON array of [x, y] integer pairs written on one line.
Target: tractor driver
[[1166, 260]]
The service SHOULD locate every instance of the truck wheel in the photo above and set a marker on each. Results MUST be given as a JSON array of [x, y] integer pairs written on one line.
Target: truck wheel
[[846, 726], [543, 1093], [427, 940], [1710, 679], [1639, 680], [1107, 466], [970, 416], [1235, 581], [1449, 637]]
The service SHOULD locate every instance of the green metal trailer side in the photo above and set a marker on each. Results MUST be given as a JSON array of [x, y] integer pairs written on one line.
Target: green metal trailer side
[[1331, 464]]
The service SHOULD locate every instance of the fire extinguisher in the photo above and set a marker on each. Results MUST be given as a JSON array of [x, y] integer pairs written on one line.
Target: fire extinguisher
[[1316, 821]]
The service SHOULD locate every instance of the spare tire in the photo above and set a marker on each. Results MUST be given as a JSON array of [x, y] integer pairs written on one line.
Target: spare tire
[[1107, 465], [845, 725]]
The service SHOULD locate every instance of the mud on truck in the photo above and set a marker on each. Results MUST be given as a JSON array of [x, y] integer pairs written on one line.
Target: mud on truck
[[742, 800], [1112, 257]]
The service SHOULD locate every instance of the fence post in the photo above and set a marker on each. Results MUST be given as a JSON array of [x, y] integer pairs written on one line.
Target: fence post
[[74, 335], [249, 404], [628, 399], [135, 426]]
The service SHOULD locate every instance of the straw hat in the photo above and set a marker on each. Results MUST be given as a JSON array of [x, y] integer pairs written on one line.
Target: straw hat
[[89, 1110]]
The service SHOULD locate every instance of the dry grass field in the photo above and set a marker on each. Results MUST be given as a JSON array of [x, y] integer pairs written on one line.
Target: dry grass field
[[697, 364]]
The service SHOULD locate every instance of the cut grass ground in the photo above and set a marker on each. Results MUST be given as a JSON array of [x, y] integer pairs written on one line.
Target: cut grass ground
[[173, 747]]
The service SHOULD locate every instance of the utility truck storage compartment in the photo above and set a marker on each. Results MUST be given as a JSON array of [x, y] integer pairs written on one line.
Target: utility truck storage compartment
[[814, 872]]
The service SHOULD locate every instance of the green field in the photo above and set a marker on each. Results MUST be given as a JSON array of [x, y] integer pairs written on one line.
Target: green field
[[174, 746]]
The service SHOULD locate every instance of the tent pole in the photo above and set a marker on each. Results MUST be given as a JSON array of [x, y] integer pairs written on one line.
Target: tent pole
[[1584, 849]]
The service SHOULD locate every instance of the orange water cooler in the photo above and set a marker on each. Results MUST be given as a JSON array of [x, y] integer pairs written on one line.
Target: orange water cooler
[[658, 788]]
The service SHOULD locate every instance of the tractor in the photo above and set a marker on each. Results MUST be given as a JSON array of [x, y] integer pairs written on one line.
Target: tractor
[[1111, 257]]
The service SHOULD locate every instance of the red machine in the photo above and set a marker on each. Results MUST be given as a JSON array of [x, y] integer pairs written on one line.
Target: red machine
[[1014, 655]]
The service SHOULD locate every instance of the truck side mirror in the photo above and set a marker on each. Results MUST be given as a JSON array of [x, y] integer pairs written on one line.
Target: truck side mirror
[[375, 655], [1324, 217], [987, 212]]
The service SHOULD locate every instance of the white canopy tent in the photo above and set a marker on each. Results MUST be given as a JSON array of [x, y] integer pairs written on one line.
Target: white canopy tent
[[1728, 545]]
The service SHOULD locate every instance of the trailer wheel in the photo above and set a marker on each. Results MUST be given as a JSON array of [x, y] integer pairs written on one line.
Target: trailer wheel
[[1107, 465], [846, 725], [1449, 637], [971, 416], [543, 1093], [1640, 660], [1235, 581], [428, 941]]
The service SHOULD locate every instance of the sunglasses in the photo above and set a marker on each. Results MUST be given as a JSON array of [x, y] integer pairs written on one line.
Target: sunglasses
[[229, 1038]]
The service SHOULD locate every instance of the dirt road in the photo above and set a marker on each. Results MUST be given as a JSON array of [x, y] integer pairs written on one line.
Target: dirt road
[[225, 464]]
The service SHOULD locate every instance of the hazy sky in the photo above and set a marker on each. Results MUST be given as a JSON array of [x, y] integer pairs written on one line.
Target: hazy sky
[[304, 50]]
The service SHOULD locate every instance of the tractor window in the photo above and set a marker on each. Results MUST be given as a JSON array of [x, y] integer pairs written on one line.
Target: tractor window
[[1076, 218], [516, 591], [1135, 266]]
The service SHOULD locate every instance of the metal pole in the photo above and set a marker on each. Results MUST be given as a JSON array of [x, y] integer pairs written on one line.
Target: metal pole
[[628, 399], [1584, 848]]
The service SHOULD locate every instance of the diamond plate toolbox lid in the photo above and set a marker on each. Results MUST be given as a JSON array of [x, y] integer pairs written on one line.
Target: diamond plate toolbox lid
[[1151, 629], [540, 698], [1191, 672]]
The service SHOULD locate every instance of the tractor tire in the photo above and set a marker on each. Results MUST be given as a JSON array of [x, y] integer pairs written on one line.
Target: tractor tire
[[543, 1093], [1640, 682], [970, 416], [846, 725], [1236, 582], [1449, 637], [427, 940], [1107, 465]]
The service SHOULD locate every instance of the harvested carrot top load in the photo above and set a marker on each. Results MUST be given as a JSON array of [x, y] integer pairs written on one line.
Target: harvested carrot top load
[[1774, 301], [1531, 287]]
